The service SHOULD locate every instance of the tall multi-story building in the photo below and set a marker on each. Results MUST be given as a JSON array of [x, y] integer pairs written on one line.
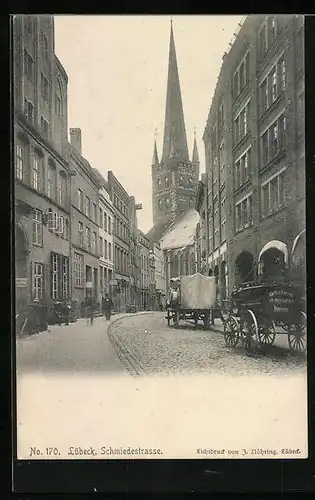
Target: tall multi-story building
[[42, 174], [175, 177], [84, 224], [134, 254], [144, 245], [106, 212], [157, 276], [106, 238], [254, 142], [121, 231]]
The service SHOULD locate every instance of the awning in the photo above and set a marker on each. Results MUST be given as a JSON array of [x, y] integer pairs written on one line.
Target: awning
[[279, 245], [296, 241]]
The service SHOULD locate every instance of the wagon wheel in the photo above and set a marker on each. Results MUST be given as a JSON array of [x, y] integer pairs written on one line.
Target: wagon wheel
[[231, 331], [297, 335], [206, 320], [176, 319], [249, 331], [267, 333]]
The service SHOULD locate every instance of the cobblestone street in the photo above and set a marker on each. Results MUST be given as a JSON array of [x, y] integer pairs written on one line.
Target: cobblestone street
[[154, 348], [75, 385]]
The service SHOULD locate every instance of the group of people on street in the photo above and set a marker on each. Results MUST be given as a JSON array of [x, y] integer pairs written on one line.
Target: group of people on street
[[62, 310]]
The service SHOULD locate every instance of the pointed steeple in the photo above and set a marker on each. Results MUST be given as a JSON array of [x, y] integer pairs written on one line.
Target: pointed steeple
[[155, 158], [174, 126], [195, 155]]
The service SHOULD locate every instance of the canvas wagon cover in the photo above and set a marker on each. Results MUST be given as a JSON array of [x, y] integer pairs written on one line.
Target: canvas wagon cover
[[197, 292]]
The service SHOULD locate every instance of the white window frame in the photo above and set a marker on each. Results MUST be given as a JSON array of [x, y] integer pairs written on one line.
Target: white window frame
[[19, 161], [36, 172], [268, 182], [37, 281], [78, 269], [37, 228]]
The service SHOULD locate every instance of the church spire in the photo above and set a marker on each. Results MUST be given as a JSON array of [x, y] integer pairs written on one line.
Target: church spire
[[155, 159], [174, 126], [195, 155]]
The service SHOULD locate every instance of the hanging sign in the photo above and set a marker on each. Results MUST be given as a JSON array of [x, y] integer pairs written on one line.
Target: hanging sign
[[21, 282]]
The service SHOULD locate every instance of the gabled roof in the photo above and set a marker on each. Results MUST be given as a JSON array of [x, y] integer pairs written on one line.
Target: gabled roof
[[182, 231], [157, 231]]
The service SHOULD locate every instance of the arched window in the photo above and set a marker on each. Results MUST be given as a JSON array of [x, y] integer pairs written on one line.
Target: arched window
[[160, 204], [168, 203], [181, 265], [20, 161], [62, 189], [190, 181], [51, 180], [181, 180], [37, 172], [159, 183], [167, 182], [192, 264]]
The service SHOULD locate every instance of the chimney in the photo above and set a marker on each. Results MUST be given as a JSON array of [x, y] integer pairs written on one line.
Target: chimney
[[75, 139]]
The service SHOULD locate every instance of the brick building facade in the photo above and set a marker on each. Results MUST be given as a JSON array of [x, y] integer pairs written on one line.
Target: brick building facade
[[121, 232], [41, 169], [254, 144], [84, 224]]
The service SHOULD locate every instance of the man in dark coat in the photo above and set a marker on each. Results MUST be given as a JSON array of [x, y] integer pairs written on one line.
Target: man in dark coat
[[108, 306]]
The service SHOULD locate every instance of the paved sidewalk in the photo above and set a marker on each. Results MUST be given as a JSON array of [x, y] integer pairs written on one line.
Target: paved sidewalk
[[78, 347]]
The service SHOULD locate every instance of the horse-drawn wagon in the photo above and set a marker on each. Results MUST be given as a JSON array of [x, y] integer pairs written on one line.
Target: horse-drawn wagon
[[191, 298], [260, 311]]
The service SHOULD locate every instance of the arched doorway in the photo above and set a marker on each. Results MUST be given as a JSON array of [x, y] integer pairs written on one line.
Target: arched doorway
[[244, 267], [210, 272], [273, 261], [21, 260]]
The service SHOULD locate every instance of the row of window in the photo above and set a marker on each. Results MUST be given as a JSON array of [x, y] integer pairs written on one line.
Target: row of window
[[243, 169], [29, 115], [121, 206], [241, 123], [121, 260], [272, 200], [35, 175], [183, 265], [105, 221], [106, 275], [273, 84], [105, 249], [59, 278], [241, 76], [57, 224], [121, 229], [87, 239], [273, 139], [267, 35]]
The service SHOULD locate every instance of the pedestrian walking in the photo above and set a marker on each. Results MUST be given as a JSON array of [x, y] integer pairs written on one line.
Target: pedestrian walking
[[67, 309], [108, 306]]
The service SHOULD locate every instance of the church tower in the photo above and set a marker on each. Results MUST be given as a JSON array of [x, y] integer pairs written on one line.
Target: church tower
[[175, 177]]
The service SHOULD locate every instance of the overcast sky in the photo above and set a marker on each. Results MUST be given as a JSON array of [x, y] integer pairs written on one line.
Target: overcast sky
[[117, 69]]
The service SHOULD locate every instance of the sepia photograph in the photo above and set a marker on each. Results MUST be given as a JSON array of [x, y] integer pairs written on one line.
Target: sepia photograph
[[160, 237]]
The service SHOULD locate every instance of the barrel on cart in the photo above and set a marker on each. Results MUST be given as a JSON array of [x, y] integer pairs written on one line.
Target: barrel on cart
[[191, 298]]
